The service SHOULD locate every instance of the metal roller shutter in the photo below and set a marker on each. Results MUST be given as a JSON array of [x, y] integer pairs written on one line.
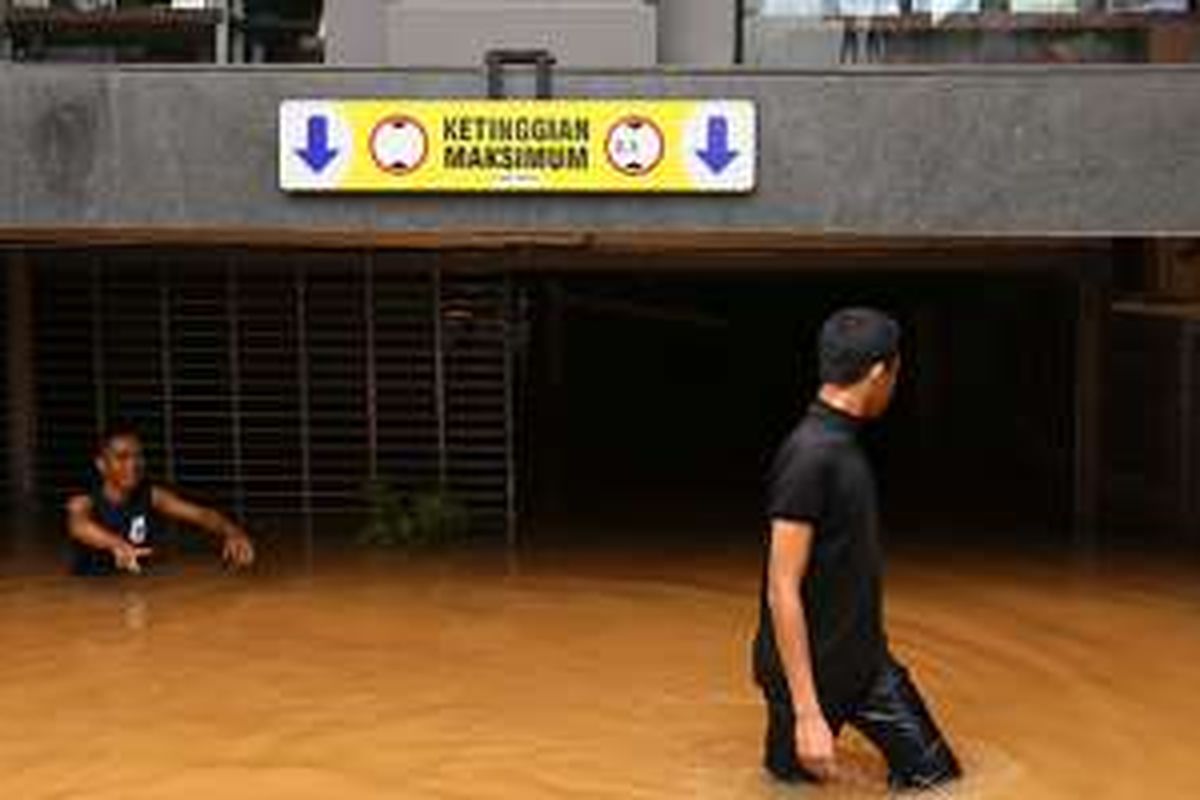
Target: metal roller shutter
[[5, 485], [281, 384]]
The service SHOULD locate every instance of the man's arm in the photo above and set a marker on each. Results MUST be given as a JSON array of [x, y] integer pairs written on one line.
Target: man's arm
[[82, 528], [236, 546], [791, 546]]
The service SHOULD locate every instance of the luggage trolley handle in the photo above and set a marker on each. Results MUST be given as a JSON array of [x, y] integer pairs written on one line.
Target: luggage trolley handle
[[496, 60]]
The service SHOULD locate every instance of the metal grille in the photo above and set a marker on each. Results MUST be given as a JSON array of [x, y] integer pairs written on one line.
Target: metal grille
[[281, 384], [403, 387], [197, 375], [67, 355], [268, 402], [477, 446], [1190, 429], [5, 485], [335, 321]]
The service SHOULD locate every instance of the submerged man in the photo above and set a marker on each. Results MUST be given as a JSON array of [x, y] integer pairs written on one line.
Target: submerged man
[[820, 654], [112, 528]]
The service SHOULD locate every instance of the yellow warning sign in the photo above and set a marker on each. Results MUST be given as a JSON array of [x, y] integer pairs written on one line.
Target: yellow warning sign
[[517, 145]]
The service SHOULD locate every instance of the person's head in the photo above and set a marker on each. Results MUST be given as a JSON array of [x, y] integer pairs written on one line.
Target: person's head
[[118, 459], [859, 355]]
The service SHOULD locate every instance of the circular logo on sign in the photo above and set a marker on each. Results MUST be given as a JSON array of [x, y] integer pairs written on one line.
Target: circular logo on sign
[[399, 145], [635, 145]]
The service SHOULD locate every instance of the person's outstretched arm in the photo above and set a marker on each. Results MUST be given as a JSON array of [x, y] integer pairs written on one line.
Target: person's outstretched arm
[[236, 547], [791, 544], [82, 528]]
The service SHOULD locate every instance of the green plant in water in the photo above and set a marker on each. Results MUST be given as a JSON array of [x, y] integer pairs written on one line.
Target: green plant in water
[[395, 520], [439, 516], [388, 521]]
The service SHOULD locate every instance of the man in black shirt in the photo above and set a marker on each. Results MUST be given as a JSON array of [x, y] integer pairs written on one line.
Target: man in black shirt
[[820, 654], [113, 526]]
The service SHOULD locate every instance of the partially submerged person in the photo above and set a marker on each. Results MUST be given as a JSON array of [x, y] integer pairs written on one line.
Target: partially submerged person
[[113, 527], [821, 654]]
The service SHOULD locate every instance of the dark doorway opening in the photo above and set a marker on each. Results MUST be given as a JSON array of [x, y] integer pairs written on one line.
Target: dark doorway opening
[[655, 402]]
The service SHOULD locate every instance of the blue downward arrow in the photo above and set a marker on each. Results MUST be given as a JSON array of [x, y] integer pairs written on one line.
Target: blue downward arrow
[[717, 156], [317, 153]]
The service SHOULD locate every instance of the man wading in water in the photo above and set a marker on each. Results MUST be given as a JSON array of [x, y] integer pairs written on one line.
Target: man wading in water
[[820, 655], [112, 527]]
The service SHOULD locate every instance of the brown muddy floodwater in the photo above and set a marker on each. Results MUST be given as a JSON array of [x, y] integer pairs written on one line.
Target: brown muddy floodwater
[[587, 674]]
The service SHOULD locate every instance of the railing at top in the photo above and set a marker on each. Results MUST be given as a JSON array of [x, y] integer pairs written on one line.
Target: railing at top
[[145, 30], [817, 32]]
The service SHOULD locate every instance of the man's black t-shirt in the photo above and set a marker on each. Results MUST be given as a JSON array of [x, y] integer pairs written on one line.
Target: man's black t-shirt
[[133, 520], [821, 476]]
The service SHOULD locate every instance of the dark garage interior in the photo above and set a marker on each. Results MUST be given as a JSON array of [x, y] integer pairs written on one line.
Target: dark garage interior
[[613, 394], [657, 401]]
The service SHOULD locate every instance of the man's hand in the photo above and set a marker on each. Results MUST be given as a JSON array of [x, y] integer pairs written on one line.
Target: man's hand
[[126, 555], [814, 744], [238, 550], [791, 546]]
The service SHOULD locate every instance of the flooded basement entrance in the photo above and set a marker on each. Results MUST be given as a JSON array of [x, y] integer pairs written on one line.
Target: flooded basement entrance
[[593, 672]]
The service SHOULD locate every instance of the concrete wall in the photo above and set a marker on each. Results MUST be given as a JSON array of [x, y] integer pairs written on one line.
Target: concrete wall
[[697, 32], [1090, 151], [798, 43], [354, 32], [456, 33], [618, 33]]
